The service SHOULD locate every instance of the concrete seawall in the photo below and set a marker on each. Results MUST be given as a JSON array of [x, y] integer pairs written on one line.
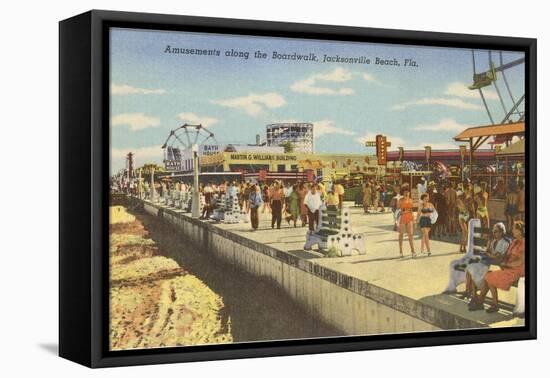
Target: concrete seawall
[[354, 306]]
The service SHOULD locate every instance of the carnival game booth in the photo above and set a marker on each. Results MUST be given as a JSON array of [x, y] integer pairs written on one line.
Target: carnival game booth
[[413, 178], [511, 163], [496, 135], [508, 165], [510, 169], [449, 165]]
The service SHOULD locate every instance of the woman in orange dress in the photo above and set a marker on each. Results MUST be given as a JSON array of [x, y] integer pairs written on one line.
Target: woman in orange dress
[[512, 268], [406, 220]]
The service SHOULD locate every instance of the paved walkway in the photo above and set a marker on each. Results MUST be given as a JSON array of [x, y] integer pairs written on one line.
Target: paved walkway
[[422, 278]]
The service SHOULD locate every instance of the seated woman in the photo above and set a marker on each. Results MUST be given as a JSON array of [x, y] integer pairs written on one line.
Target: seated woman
[[478, 266], [512, 268]]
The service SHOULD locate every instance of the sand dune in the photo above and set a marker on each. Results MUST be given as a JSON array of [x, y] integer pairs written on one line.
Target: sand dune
[[153, 301]]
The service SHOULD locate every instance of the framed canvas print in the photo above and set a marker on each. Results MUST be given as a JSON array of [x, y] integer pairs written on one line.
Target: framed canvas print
[[235, 188]]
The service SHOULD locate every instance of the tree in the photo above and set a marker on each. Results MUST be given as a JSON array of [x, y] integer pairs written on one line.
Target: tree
[[288, 146]]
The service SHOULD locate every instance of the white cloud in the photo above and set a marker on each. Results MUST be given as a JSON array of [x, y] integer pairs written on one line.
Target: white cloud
[[309, 84], [195, 119], [369, 77], [458, 89], [445, 124], [338, 75], [124, 89], [325, 127], [136, 121], [451, 102], [253, 104]]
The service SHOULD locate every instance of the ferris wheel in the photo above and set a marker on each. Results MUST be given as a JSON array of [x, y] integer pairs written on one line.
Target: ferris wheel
[[185, 138], [513, 104]]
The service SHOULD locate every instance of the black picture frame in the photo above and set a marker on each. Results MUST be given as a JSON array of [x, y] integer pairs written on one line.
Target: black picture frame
[[84, 198]]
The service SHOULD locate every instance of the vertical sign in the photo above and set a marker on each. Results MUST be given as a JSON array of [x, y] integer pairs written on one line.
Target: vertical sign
[[381, 149]]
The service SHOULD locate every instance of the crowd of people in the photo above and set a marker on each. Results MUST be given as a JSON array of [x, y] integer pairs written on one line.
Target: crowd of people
[[295, 203], [443, 209]]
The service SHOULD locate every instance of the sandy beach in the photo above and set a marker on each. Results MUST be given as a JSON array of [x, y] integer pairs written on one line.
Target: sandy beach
[[153, 301]]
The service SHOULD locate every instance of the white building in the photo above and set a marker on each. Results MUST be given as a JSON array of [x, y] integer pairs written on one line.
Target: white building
[[299, 134]]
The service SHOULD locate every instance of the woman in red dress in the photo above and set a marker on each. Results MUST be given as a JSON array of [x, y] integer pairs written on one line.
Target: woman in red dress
[[512, 268], [406, 220]]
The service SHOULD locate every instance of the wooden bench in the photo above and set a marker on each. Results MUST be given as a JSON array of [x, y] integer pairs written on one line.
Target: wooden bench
[[162, 199], [480, 242], [477, 243], [185, 201], [227, 210], [219, 209], [177, 196], [334, 232], [478, 238], [173, 198]]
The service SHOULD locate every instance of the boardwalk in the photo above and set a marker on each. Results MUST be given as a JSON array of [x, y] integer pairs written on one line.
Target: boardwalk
[[422, 279]]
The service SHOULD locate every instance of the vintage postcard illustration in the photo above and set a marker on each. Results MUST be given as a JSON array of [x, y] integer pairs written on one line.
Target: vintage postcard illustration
[[266, 188]]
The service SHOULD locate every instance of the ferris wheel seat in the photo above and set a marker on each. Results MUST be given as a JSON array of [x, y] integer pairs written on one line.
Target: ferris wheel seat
[[484, 79]]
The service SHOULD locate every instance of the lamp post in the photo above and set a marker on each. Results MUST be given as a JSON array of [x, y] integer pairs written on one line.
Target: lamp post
[[152, 199], [195, 210], [428, 152], [139, 184]]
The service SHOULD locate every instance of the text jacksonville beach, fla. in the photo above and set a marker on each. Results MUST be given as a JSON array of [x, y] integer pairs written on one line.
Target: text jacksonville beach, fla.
[[277, 55]]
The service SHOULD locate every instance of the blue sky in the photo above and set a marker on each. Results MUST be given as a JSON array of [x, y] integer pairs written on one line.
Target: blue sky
[[153, 92]]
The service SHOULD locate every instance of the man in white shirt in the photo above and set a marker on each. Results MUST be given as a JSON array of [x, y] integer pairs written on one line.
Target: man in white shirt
[[232, 190], [313, 202], [287, 191]]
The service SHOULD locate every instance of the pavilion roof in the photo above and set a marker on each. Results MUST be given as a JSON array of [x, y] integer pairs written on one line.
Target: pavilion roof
[[491, 130]]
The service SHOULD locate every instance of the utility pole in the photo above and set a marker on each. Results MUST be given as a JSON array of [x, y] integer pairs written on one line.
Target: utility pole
[[462, 156], [195, 209]]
